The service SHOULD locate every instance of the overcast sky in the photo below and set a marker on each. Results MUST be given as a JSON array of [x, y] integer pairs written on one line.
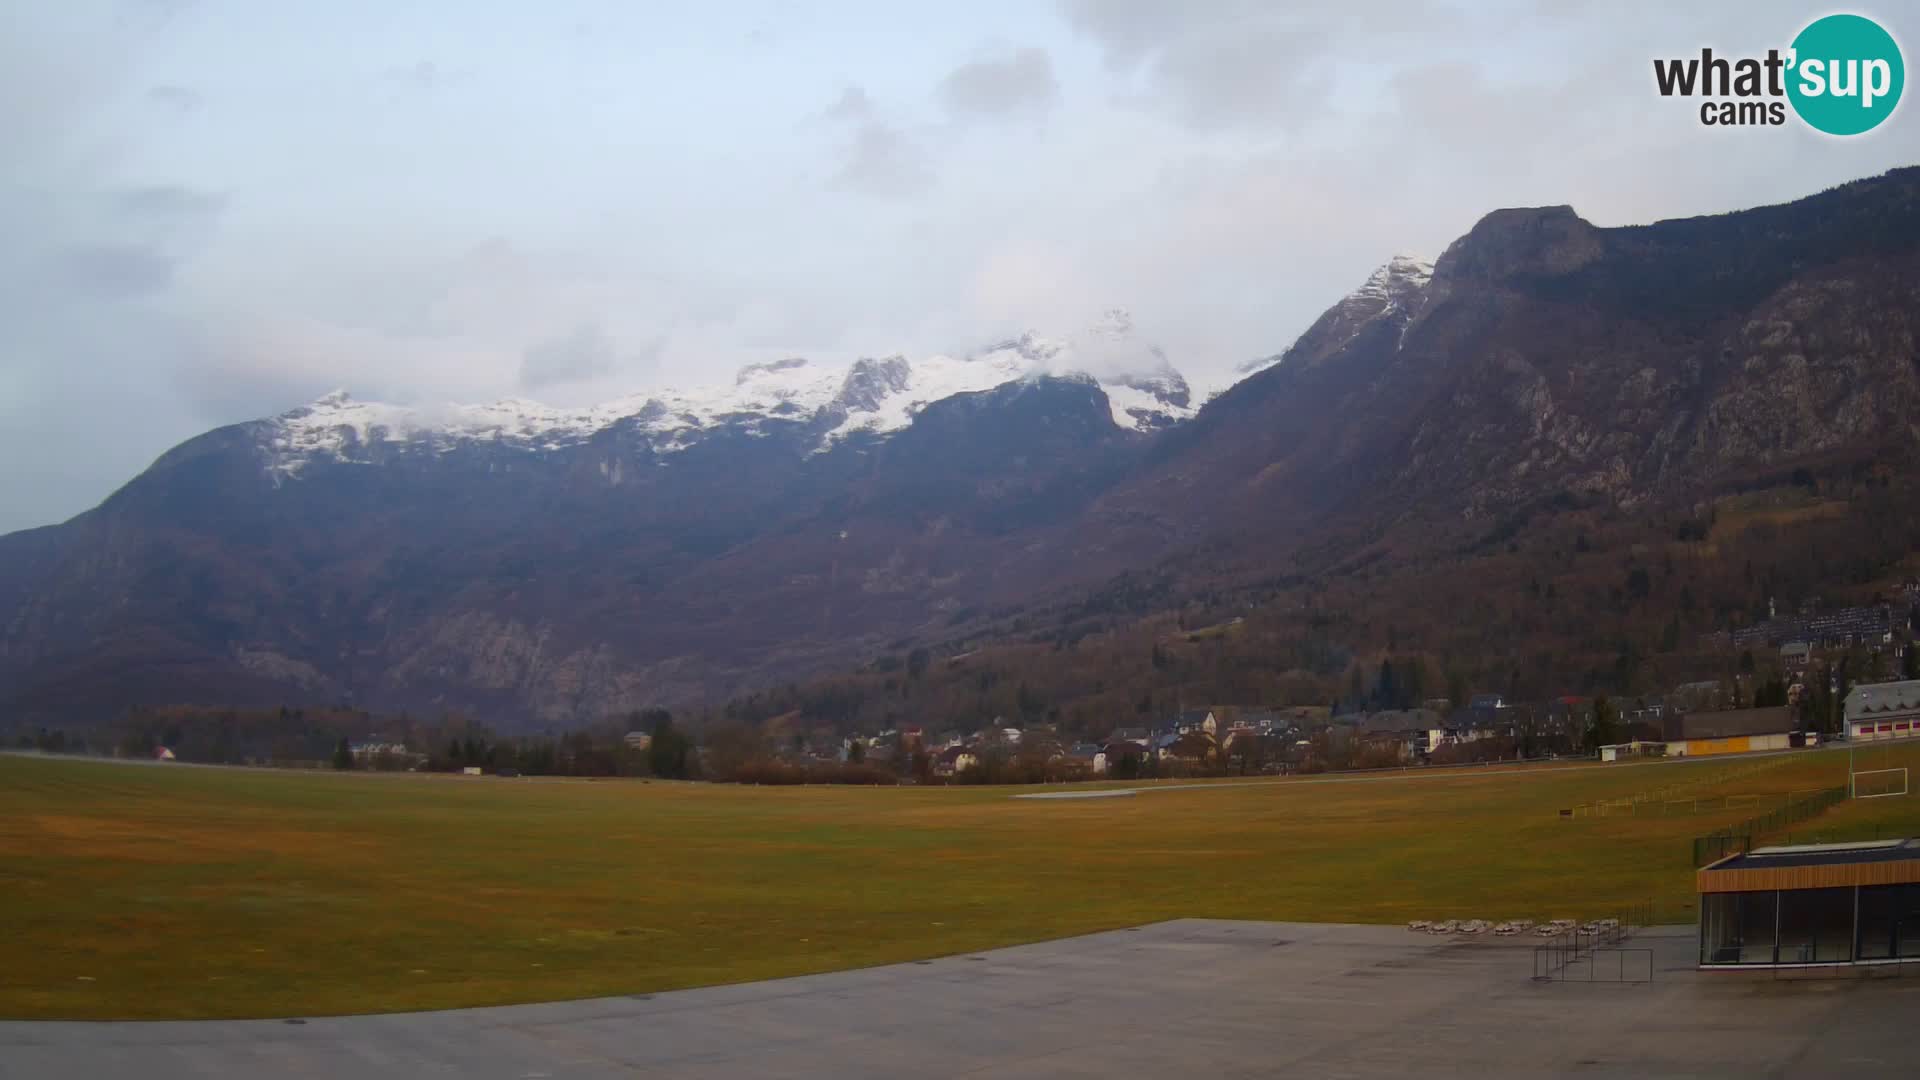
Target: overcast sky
[[217, 211]]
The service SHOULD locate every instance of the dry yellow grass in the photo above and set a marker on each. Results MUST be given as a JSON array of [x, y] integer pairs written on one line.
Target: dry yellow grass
[[153, 891]]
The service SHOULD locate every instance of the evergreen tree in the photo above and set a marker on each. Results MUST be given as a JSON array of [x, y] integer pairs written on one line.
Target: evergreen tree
[[667, 755], [343, 754], [1604, 731]]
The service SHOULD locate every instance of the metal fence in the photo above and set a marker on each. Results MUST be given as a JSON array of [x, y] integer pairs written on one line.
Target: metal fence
[[1611, 965], [1582, 950], [1643, 802], [1737, 839], [1684, 807]]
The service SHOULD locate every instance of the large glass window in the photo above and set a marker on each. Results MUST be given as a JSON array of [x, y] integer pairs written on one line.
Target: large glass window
[[1758, 923], [1796, 928], [1908, 907], [1736, 928], [1720, 928], [1879, 915], [1816, 926]]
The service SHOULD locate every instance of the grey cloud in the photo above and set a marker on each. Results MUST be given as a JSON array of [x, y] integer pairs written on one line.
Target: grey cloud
[[1233, 63], [153, 14], [232, 388], [422, 75], [1223, 78], [116, 271], [175, 96], [170, 202], [581, 354], [853, 104], [883, 161], [1020, 80], [879, 158], [1128, 29]]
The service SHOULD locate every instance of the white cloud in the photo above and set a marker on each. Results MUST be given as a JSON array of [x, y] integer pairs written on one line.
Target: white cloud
[[215, 211]]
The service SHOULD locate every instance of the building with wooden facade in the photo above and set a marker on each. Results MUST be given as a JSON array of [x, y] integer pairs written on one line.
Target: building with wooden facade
[[1812, 905]]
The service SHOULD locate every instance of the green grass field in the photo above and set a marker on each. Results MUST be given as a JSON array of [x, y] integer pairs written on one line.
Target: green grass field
[[131, 891]]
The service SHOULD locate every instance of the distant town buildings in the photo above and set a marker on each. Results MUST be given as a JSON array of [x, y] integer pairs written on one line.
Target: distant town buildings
[[1872, 624]]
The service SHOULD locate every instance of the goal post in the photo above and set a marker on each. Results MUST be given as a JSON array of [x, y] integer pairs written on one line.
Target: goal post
[[1879, 783]]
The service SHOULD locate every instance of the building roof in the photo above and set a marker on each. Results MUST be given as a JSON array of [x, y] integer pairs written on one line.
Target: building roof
[[1729, 723], [1393, 721], [1879, 699], [1815, 866], [1824, 854], [1192, 744]]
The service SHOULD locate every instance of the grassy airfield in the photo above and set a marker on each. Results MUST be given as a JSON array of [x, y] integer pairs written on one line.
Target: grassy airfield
[[177, 892]]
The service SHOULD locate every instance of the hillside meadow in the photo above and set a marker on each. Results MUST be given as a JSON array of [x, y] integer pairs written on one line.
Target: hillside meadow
[[172, 892]]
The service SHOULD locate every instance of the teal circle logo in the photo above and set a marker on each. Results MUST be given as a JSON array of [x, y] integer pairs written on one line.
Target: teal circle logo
[[1846, 74]]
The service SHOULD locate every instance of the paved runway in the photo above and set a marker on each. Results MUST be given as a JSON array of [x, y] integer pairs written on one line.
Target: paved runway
[[1194, 997]]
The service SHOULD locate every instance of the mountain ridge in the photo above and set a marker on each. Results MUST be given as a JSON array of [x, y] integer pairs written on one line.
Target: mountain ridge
[[870, 395], [544, 580]]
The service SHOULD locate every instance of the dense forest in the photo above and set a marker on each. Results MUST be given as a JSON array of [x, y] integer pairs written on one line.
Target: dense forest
[[1568, 598]]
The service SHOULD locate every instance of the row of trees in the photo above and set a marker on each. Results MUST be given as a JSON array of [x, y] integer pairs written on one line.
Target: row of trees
[[604, 750]]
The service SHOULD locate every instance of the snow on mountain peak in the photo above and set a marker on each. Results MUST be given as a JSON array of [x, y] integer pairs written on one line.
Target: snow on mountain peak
[[1396, 287], [872, 395], [1401, 274], [1142, 387]]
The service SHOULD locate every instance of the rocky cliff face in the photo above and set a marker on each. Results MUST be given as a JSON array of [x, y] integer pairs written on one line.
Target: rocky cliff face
[[1546, 355]]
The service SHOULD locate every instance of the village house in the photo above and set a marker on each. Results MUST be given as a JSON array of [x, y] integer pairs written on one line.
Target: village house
[[1888, 710], [1261, 720], [1796, 657], [1238, 731], [1705, 695], [373, 748], [1192, 747], [954, 759], [1195, 720]]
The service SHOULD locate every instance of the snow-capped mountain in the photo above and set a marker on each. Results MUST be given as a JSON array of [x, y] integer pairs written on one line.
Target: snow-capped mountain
[[1410, 428], [1396, 289], [826, 402]]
